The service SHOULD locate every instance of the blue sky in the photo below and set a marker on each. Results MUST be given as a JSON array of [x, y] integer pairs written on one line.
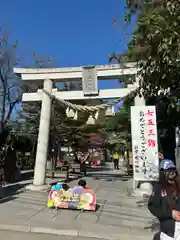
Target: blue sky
[[73, 32]]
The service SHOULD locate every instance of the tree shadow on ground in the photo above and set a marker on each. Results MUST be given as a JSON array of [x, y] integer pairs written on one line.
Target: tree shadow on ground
[[109, 176], [98, 169], [27, 175], [9, 192], [69, 180], [74, 178]]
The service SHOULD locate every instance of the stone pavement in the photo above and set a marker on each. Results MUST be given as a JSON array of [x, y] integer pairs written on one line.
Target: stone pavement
[[34, 236], [118, 216]]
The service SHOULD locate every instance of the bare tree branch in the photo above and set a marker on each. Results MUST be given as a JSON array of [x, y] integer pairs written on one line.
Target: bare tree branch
[[9, 83]]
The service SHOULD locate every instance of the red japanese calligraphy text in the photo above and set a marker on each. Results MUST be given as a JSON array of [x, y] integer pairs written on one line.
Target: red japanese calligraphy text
[[150, 113], [151, 143], [150, 122], [151, 132]]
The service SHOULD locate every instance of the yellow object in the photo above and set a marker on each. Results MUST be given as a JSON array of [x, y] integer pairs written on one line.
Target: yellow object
[[116, 156], [84, 202], [76, 195], [50, 204], [67, 196]]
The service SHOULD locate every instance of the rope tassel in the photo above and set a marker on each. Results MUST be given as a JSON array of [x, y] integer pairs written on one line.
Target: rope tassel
[[91, 120], [70, 113]]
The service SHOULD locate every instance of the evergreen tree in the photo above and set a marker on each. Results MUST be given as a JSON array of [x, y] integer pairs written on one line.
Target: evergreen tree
[[155, 47]]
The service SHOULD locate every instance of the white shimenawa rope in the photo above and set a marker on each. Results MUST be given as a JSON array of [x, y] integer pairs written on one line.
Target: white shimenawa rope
[[90, 109]]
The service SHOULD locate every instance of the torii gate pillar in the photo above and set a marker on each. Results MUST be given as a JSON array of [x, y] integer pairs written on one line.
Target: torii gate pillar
[[43, 140], [43, 136]]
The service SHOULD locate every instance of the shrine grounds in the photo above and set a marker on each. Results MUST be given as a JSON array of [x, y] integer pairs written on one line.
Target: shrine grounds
[[119, 215]]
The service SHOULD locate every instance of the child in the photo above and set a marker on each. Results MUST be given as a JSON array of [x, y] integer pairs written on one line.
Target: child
[[65, 187], [82, 183], [62, 186]]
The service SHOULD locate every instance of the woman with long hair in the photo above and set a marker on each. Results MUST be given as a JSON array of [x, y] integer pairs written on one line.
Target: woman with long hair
[[164, 202]]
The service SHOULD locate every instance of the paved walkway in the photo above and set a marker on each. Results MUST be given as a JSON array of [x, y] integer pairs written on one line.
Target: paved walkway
[[118, 215], [35, 236]]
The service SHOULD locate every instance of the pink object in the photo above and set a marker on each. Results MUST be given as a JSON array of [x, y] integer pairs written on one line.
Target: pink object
[[52, 194]]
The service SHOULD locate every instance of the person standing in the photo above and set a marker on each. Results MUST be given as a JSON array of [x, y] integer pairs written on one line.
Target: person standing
[[10, 160], [116, 161], [84, 162], [164, 203]]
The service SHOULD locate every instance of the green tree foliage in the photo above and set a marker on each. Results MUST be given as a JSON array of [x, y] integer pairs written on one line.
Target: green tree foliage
[[117, 128], [155, 47], [156, 42]]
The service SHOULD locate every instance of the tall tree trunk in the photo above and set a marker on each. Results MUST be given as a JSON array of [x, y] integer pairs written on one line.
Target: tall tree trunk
[[3, 111]]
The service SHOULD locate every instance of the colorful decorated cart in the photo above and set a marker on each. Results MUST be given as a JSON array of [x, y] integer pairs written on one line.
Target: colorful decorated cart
[[72, 198]]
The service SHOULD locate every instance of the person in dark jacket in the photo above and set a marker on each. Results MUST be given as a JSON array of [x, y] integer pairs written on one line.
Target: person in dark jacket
[[164, 202]]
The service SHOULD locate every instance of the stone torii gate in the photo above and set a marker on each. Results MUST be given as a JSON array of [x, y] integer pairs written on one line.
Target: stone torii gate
[[89, 76]]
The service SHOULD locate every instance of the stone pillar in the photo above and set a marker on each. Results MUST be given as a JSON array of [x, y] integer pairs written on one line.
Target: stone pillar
[[43, 140], [139, 101], [144, 188]]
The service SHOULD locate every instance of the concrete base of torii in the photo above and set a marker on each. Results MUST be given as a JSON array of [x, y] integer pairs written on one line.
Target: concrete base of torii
[[144, 189], [38, 188]]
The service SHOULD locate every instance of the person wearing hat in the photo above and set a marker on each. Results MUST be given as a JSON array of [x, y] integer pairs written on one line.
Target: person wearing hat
[[164, 203]]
